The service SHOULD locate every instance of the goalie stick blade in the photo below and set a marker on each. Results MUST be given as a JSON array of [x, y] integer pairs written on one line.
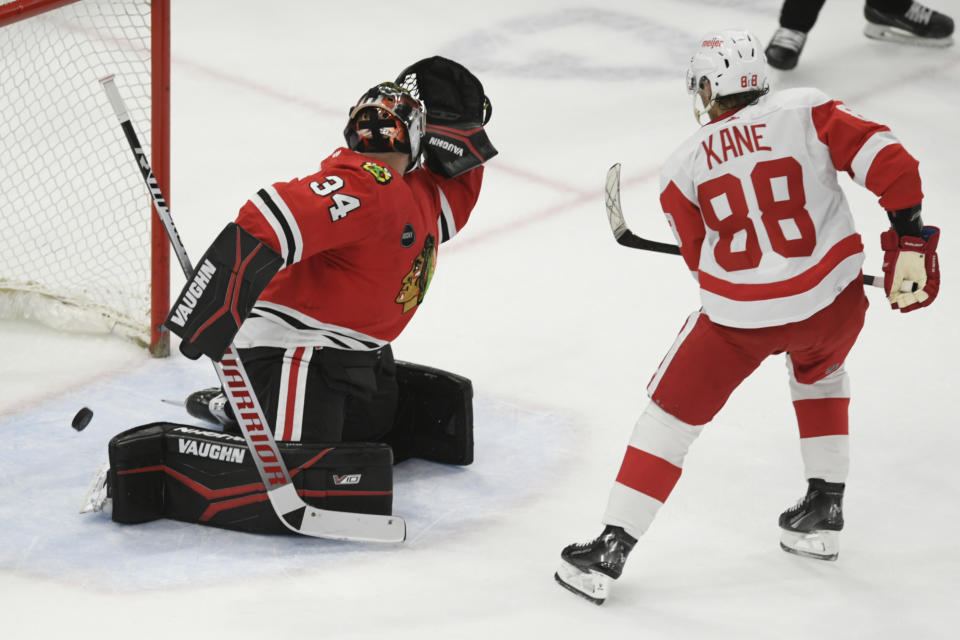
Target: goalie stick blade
[[334, 525], [355, 527]]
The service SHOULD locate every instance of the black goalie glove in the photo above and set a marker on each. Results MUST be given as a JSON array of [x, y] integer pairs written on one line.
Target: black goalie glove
[[457, 110]]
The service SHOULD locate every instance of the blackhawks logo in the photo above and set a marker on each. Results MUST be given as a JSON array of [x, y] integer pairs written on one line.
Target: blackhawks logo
[[414, 285], [381, 174]]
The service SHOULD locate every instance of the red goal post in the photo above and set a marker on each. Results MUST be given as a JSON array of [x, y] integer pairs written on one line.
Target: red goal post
[[80, 248]]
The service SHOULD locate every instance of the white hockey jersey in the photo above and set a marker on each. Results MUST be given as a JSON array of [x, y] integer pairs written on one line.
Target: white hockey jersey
[[755, 205]]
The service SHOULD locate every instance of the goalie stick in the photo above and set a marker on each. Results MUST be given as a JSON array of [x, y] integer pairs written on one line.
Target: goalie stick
[[292, 511], [628, 238]]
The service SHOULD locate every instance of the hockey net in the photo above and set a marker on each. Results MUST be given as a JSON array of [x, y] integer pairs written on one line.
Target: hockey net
[[79, 248]]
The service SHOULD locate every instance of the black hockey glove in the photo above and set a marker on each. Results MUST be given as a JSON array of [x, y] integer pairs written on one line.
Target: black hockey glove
[[457, 110], [220, 292]]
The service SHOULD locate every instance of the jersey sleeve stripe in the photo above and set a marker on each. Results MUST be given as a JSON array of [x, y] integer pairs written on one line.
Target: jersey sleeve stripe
[[849, 246], [860, 165], [446, 223], [278, 215]]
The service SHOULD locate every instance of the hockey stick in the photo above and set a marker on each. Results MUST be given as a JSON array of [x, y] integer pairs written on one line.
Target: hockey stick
[[629, 239], [292, 511]]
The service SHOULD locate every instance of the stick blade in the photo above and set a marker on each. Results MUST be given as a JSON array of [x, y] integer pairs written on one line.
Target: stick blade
[[356, 527], [612, 202], [301, 518]]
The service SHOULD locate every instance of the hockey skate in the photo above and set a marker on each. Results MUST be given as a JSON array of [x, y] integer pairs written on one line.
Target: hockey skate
[[918, 26], [587, 568], [812, 527], [98, 493], [784, 49], [210, 405]]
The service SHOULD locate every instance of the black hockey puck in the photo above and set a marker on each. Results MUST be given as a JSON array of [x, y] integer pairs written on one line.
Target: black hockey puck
[[82, 419]]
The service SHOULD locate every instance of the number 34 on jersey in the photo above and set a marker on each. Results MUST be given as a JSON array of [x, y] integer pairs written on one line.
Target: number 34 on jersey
[[342, 202]]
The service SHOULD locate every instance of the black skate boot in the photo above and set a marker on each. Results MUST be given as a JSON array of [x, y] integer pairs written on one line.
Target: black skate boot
[[587, 568], [784, 48], [919, 25], [812, 527], [211, 405]]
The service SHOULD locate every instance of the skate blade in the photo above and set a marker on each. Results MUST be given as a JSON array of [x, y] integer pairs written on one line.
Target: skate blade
[[587, 584], [821, 545], [96, 495], [893, 34]]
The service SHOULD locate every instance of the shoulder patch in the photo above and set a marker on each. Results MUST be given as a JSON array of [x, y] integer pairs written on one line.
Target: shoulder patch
[[380, 173]]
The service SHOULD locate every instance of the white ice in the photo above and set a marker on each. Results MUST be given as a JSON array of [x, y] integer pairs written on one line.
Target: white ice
[[558, 327]]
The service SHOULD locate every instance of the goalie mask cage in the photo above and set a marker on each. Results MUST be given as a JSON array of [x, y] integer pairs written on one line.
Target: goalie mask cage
[[80, 248]]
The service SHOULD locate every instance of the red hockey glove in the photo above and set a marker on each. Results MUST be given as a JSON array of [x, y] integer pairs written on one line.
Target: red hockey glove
[[911, 258]]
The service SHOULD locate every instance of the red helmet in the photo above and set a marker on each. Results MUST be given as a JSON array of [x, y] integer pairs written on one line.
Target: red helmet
[[386, 118]]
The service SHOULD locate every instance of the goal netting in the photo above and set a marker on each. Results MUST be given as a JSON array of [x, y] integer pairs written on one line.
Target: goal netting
[[77, 246]]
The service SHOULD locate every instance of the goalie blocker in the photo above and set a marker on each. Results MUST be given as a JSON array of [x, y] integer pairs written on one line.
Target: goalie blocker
[[181, 472], [220, 292]]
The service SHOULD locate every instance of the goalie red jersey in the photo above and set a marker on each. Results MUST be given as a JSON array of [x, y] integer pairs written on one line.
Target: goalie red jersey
[[754, 201], [359, 245]]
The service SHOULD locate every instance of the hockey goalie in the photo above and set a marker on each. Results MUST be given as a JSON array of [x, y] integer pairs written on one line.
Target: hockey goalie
[[311, 282]]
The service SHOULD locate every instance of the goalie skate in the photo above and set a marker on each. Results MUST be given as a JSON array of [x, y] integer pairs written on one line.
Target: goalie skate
[[210, 405], [98, 492]]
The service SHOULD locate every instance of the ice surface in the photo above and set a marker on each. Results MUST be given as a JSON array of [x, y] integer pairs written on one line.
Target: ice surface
[[558, 327]]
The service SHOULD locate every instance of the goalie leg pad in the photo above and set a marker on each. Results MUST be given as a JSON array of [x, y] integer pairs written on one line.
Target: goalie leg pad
[[434, 419], [166, 470]]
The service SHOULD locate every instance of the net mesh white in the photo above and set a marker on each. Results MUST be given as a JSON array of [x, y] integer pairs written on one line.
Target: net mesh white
[[74, 212]]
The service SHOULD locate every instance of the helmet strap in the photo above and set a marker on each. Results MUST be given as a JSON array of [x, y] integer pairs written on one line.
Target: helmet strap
[[701, 109]]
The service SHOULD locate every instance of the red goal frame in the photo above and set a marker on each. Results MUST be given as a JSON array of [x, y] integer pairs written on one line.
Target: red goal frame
[[160, 149]]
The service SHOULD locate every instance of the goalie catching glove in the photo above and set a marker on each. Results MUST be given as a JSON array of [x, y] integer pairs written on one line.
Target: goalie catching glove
[[910, 253], [457, 110], [220, 292]]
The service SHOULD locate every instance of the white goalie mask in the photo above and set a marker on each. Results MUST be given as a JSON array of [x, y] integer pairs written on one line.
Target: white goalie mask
[[732, 61]]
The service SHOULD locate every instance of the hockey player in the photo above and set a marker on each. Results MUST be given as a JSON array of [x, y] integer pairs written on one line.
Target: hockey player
[[762, 224], [354, 247], [901, 21], [311, 283]]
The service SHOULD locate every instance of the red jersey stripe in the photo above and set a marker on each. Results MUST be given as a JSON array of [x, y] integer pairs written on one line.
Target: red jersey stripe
[[849, 246], [648, 474], [822, 417]]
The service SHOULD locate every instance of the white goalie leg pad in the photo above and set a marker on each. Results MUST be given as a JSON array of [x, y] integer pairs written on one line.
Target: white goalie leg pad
[[592, 585], [822, 545], [96, 496]]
